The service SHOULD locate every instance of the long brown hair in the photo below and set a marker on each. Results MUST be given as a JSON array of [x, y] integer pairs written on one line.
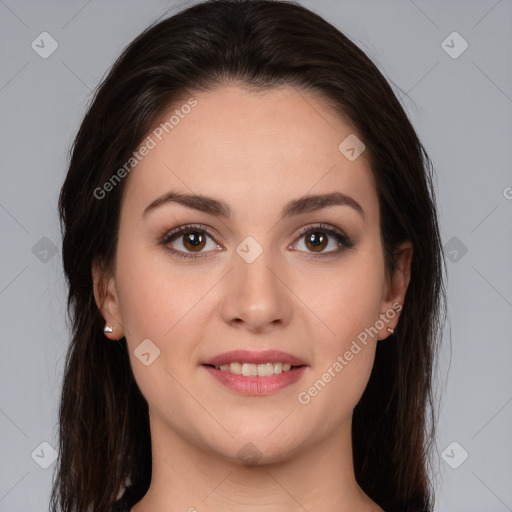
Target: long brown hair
[[104, 437]]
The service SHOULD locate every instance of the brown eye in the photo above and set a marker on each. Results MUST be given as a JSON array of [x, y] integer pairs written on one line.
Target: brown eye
[[316, 241], [190, 241], [323, 240], [193, 240]]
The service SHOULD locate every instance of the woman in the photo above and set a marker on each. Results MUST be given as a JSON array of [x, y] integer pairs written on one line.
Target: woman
[[255, 276]]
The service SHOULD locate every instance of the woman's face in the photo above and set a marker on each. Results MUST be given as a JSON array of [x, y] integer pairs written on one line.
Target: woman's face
[[256, 283]]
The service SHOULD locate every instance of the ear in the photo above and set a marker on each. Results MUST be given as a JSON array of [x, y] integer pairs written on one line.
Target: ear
[[395, 287], [106, 299]]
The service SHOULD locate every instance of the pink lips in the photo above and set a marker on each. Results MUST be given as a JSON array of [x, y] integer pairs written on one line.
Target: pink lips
[[255, 385], [248, 356]]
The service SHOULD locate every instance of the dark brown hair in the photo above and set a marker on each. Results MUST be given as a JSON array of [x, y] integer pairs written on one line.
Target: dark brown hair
[[259, 44]]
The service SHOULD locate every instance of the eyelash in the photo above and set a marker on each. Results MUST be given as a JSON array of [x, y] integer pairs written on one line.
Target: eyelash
[[342, 239]]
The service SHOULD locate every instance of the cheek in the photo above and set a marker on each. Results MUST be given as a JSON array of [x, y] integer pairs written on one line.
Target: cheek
[[344, 357], [156, 295], [349, 305], [349, 298], [162, 302]]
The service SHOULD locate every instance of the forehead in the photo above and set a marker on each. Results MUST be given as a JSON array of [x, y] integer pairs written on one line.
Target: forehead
[[239, 145]]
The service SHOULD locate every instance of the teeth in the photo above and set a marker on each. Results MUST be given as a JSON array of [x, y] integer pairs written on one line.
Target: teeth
[[252, 370]]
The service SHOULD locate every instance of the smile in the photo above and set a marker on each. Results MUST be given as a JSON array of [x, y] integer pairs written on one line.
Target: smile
[[251, 380], [251, 370]]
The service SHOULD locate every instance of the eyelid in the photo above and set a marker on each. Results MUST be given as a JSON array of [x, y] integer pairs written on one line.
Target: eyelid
[[185, 228], [343, 239], [320, 226]]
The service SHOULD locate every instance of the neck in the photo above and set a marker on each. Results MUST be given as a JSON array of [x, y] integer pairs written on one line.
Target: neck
[[190, 478]]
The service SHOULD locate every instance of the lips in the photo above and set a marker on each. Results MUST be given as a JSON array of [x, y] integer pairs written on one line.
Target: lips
[[256, 385], [248, 356]]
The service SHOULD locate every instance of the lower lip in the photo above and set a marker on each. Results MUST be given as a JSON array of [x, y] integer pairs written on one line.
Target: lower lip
[[256, 385]]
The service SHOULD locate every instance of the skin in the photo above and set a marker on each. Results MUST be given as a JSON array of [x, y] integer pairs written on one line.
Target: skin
[[256, 152]]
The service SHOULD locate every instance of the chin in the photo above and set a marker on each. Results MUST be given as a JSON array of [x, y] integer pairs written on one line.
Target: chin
[[252, 450]]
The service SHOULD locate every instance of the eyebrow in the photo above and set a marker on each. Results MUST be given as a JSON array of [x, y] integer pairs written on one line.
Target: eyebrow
[[305, 204]]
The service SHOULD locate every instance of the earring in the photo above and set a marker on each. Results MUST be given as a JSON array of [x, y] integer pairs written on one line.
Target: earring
[[391, 330], [108, 328]]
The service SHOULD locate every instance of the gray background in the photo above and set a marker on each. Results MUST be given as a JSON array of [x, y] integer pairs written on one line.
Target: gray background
[[461, 108]]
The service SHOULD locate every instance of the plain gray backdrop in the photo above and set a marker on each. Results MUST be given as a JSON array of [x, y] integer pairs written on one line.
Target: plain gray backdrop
[[457, 90]]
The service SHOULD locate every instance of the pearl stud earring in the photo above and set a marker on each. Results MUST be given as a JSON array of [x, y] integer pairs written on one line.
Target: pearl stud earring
[[108, 328]]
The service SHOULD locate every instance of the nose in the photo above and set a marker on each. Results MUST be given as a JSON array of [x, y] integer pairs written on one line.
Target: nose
[[256, 296]]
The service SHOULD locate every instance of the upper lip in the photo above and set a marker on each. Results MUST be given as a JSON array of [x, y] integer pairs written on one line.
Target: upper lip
[[248, 356]]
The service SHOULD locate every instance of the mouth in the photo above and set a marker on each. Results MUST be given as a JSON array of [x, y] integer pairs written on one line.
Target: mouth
[[251, 357], [256, 370], [256, 373]]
